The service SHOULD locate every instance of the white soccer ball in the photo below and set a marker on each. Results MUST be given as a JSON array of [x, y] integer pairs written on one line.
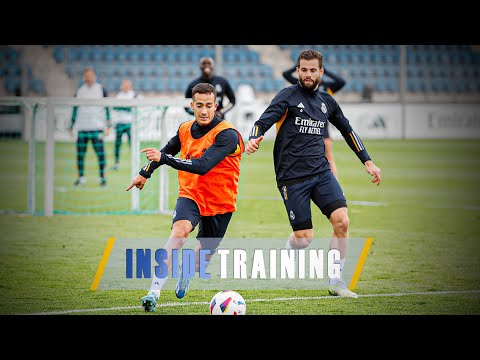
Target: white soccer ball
[[227, 302]]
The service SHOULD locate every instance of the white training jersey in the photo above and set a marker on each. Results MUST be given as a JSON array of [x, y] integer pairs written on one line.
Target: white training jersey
[[123, 115], [90, 118]]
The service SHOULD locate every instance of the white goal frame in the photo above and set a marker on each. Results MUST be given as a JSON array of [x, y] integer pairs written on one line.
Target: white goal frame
[[30, 104]]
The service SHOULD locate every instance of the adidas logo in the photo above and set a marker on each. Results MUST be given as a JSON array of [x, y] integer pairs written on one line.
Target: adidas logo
[[301, 106], [378, 123]]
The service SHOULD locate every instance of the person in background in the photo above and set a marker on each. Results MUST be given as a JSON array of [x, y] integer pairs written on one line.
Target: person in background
[[122, 117], [221, 84], [92, 123]]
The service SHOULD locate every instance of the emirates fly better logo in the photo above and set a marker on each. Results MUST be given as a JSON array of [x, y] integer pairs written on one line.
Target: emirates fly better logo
[[309, 126]]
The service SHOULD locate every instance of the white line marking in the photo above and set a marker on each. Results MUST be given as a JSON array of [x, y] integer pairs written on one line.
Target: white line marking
[[463, 207], [174, 304], [366, 203], [279, 198]]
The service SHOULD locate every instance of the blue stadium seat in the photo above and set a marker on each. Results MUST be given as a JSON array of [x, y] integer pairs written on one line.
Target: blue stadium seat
[[84, 55], [110, 84], [73, 54], [96, 55], [108, 55], [120, 55], [259, 85], [12, 84], [132, 56], [170, 85], [180, 57], [169, 57], [265, 71], [13, 70], [417, 85], [58, 54], [157, 56], [357, 86], [279, 84], [145, 55], [158, 71], [241, 56], [253, 57], [119, 70], [131, 70], [380, 85], [460, 86], [159, 85], [37, 85], [11, 55], [439, 67], [392, 85], [190, 56], [228, 72], [147, 85], [229, 57]]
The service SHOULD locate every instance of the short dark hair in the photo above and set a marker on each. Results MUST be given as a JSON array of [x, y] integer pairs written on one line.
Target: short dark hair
[[310, 55], [204, 88]]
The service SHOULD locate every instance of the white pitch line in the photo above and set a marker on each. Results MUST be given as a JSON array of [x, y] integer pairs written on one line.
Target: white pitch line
[[463, 207], [370, 203], [278, 198], [254, 300], [367, 203]]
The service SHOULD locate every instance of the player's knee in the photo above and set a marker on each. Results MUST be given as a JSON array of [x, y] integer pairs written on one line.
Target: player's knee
[[342, 224], [180, 231], [303, 238], [340, 220]]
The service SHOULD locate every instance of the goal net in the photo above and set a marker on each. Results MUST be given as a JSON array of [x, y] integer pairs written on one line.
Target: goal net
[[40, 157]]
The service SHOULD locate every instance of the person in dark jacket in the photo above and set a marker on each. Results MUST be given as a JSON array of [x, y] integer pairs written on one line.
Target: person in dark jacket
[[302, 171], [332, 85], [221, 84]]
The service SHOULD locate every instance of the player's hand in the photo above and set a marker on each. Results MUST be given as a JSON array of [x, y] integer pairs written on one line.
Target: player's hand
[[252, 145], [152, 154], [107, 131], [139, 181], [373, 170]]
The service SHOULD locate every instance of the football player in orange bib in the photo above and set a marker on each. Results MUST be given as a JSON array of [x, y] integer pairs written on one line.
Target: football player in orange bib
[[208, 171]]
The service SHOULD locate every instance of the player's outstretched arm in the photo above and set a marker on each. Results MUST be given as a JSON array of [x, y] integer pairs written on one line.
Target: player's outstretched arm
[[252, 145], [227, 142], [373, 170], [139, 181]]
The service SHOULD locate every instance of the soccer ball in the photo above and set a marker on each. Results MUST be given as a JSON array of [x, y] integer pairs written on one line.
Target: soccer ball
[[227, 302]]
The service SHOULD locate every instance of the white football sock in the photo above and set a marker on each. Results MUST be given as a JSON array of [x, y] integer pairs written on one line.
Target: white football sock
[[335, 281], [157, 284]]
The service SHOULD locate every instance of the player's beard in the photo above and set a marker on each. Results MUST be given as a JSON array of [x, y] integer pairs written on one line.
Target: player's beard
[[310, 86]]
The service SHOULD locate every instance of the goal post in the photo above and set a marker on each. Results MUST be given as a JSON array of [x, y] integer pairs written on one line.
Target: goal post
[[52, 156]]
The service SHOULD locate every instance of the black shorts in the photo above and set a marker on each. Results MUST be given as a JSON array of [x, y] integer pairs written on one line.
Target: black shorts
[[211, 230], [325, 192]]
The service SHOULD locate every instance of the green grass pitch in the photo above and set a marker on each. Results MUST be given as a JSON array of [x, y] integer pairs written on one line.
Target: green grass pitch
[[426, 231]]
